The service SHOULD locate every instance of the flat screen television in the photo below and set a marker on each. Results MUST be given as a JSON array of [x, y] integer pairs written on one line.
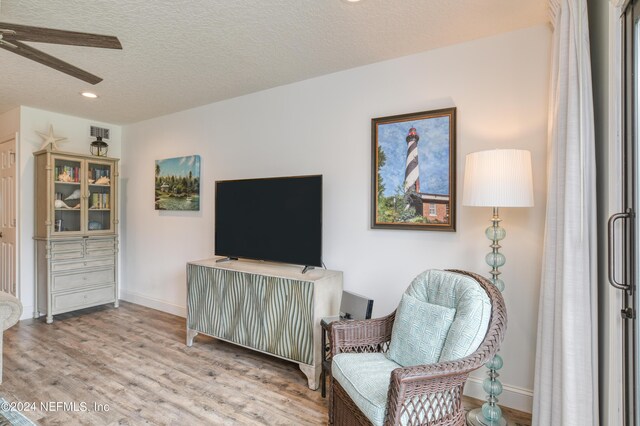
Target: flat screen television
[[275, 219]]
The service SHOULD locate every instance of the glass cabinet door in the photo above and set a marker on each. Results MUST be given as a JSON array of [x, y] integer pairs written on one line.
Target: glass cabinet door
[[67, 195], [100, 197]]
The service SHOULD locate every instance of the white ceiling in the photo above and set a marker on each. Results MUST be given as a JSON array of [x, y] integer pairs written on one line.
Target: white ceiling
[[181, 54]]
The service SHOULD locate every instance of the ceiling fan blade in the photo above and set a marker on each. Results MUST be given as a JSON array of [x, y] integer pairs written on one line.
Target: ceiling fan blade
[[48, 35], [48, 60]]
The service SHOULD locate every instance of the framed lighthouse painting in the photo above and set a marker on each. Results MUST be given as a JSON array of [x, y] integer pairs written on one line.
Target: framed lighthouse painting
[[414, 170]]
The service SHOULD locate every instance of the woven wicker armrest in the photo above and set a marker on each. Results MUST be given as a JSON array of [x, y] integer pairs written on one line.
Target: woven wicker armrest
[[441, 369], [372, 335], [418, 391], [434, 388]]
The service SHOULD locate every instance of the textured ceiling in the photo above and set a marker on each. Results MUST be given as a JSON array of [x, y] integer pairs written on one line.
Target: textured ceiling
[[184, 53]]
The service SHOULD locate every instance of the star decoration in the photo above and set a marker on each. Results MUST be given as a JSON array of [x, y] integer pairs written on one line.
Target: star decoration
[[50, 139]]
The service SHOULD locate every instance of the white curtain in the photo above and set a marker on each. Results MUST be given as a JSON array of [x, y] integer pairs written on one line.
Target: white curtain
[[566, 376]]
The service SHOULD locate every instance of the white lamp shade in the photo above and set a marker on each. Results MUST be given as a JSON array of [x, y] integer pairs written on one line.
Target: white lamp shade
[[498, 178]]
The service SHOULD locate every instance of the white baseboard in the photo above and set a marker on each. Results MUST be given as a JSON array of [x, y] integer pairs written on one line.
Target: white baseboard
[[27, 313], [150, 302], [512, 396]]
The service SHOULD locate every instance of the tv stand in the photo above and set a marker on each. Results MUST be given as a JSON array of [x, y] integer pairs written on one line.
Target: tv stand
[[271, 308], [307, 269]]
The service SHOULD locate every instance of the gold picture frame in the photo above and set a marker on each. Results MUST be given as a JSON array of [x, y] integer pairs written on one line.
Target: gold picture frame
[[414, 171]]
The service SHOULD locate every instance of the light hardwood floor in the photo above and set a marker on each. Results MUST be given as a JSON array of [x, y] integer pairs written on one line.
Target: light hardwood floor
[[134, 360]]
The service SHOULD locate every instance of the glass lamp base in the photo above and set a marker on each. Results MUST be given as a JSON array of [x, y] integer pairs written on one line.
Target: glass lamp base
[[476, 418]]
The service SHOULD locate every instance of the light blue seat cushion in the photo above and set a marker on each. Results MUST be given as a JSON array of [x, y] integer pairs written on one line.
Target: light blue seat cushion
[[419, 332], [365, 377], [467, 297]]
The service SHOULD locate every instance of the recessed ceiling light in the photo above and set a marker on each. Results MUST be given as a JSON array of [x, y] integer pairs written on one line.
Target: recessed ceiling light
[[89, 95], [351, 1]]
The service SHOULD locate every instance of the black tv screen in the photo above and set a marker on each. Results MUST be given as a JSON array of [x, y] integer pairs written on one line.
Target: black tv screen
[[276, 219]]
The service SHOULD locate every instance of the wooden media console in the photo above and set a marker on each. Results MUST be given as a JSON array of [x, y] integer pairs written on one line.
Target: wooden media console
[[271, 308]]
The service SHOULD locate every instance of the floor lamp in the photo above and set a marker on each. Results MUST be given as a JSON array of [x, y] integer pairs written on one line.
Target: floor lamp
[[496, 178]]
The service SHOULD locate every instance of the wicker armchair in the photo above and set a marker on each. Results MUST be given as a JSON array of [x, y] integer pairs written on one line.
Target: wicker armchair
[[422, 394]]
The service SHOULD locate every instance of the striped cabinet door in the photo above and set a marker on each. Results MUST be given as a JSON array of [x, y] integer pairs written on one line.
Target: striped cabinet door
[[270, 314]]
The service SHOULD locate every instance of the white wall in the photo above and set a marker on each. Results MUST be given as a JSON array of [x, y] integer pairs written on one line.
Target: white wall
[[322, 125], [76, 130]]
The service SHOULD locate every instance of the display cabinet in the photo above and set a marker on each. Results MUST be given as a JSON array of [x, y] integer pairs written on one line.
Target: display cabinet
[[75, 231]]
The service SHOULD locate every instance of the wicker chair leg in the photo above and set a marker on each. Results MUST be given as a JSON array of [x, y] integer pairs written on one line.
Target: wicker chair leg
[[331, 422]]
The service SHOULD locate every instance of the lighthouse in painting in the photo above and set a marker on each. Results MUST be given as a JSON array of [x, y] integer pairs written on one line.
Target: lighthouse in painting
[[412, 172]]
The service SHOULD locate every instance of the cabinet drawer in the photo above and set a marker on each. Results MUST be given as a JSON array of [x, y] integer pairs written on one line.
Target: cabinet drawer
[[69, 266], [57, 246], [83, 299], [81, 279], [101, 247], [106, 243], [61, 250], [101, 253], [62, 255]]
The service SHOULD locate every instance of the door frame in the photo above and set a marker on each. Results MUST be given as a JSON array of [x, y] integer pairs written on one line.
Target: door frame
[[3, 139], [623, 259], [611, 361]]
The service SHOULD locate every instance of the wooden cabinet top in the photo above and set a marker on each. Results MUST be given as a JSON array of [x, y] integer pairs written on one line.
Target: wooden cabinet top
[[280, 270], [75, 155]]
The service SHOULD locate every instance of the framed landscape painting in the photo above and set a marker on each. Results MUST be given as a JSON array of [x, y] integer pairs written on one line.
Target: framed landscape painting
[[178, 183], [413, 171]]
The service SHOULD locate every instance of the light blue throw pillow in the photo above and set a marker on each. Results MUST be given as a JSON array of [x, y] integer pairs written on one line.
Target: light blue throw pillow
[[419, 332], [471, 302]]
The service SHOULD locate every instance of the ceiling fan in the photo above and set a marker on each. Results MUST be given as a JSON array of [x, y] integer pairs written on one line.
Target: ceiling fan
[[12, 36]]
